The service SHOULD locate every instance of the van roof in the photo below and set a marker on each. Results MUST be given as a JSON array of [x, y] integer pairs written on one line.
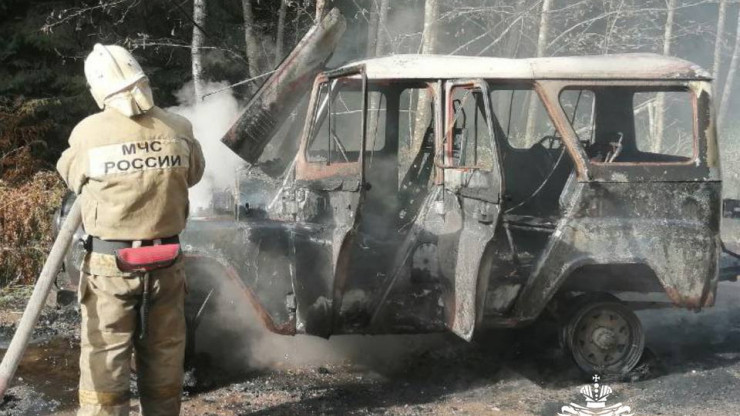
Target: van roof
[[607, 67]]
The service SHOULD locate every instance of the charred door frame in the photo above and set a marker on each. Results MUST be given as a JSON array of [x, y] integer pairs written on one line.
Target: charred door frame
[[405, 250], [310, 171], [341, 180], [442, 152], [479, 212]]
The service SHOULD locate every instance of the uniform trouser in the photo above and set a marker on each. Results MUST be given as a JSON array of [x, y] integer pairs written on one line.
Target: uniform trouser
[[110, 330]]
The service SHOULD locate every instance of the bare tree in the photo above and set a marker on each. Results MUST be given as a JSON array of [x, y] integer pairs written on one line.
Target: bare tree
[[428, 45], [431, 23], [251, 42], [382, 35], [280, 37], [199, 20], [377, 30], [717, 61], [511, 48], [376, 25], [659, 126], [74, 14], [372, 28], [541, 49], [544, 28], [727, 90]]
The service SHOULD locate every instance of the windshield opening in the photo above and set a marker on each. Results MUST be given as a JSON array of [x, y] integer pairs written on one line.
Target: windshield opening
[[336, 133]]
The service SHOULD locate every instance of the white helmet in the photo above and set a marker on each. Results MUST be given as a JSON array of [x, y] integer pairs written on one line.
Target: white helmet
[[116, 80]]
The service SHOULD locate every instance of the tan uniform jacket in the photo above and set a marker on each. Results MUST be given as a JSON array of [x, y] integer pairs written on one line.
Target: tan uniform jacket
[[132, 174]]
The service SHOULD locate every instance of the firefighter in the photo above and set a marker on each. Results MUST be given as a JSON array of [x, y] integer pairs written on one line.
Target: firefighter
[[131, 166]]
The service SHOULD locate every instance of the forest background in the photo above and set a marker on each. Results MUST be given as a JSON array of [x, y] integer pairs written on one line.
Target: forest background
[[43, 44]]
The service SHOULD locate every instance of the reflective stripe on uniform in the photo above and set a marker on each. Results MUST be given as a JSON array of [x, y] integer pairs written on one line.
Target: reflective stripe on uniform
[[103, 398], [164, 392]]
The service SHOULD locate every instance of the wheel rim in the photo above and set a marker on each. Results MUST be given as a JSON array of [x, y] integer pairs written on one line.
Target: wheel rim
[[602, 338], [606, 338]]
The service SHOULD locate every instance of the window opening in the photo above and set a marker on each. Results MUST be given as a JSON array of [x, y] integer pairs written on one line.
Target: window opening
[[338, 119], [634, 124], [416, 134], [468, 142], [549, 142], [523, 119]]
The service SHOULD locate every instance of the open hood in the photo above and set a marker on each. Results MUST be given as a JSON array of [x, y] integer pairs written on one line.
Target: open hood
[[284, 89]]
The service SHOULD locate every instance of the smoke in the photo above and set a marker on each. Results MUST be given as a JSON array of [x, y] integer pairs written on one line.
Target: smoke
[[231, 333], [235, 340], [211, 118], [681, 335]]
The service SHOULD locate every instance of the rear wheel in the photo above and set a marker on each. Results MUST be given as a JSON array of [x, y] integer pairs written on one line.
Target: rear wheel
[[604, 337]]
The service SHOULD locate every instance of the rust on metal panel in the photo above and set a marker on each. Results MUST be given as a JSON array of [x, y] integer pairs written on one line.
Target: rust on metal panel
[[286, 328], [311, 171], [282, 91], [691, 303]]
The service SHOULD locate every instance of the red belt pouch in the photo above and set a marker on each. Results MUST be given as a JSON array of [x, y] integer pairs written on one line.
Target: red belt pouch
[[148, 258]]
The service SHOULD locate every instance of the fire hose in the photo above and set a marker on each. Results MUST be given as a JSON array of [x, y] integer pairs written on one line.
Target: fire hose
[[38, 298]]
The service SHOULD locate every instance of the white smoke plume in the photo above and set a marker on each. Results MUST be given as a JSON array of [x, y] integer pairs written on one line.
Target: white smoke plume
[[233, 336], [211, 118]]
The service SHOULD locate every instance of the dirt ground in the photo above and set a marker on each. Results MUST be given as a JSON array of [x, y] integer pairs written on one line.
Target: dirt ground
[[692, 367]]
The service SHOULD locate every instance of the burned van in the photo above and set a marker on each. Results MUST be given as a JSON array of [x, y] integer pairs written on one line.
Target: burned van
[[442, 193], [448, 193]]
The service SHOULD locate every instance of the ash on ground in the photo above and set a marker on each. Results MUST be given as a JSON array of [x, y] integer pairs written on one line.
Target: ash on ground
[[692, 366]]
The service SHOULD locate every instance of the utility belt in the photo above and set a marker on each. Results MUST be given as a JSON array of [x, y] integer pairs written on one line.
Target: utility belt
[[97, 245], [140, 257]]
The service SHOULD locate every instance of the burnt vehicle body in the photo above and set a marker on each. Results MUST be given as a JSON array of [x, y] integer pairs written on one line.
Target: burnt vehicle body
[[447, 193], [730, 260]]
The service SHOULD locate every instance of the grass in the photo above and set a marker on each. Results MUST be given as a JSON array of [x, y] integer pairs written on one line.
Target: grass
[[26, 230]]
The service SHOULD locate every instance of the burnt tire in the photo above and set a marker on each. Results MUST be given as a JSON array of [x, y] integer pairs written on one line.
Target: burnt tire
[[571, 306], [604, 337]]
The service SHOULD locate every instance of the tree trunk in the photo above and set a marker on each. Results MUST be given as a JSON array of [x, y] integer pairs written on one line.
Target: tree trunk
[[541, 49], [280, 37], [296, 28], [372, 29], [251, 42], [511, 47], [544, 28], [429, 35], [383, 36], [668, 32], [659, 126], [428, 46], [199, 17], [717, 62], [727, 90], [376, 25]]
